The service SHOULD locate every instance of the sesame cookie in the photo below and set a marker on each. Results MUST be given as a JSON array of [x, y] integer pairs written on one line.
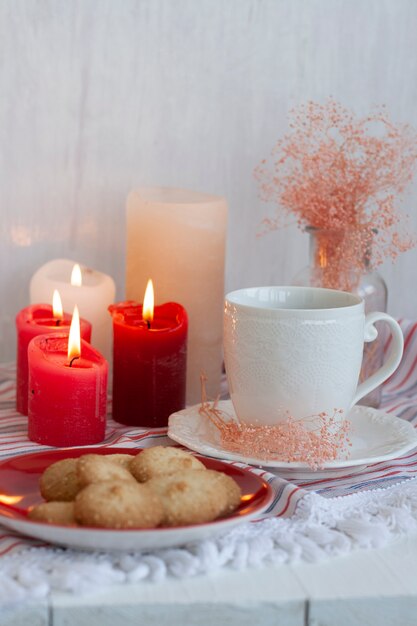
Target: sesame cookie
[[60, 481], [95, 468], [194, 497], [53, 513], [118, 504], [121, 459], [160, 460]]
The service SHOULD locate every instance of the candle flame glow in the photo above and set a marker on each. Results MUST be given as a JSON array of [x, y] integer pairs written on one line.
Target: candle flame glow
[[57, 309], [74, 339], [76, 276], [148, 303], [10, 499]]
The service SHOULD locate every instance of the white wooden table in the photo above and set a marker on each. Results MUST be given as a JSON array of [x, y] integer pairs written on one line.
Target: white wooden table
[[367, 588]]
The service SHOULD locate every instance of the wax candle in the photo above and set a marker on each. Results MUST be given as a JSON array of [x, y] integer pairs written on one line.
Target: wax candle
[[38, 319], [149, 363], [91, 290], [67, 392], [178, 237]]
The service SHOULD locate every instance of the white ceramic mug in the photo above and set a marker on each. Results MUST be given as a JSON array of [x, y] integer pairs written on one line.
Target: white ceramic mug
[[298, 351]]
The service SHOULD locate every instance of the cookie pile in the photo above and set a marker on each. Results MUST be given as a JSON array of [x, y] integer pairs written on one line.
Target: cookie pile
[[157, 487]]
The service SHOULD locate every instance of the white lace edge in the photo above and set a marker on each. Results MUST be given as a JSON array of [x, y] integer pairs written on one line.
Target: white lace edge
[[320, 528]]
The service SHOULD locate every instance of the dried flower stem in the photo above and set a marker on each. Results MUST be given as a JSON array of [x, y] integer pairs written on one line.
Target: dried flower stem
[[313, 440], [335, 171]]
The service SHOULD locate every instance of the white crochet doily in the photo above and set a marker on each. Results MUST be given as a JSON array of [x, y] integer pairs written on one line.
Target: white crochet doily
[[321, 527]]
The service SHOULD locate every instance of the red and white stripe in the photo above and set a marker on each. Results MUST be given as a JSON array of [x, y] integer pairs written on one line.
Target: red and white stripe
[[400, 397]]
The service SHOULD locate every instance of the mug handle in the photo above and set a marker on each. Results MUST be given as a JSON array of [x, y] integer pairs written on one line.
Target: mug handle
[[394, 356]]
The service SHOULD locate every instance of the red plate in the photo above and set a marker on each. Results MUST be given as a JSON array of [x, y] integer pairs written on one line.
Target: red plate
[[19, 490]]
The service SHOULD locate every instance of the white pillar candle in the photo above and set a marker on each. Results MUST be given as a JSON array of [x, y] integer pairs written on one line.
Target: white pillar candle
[[177, 238], [93, 296]]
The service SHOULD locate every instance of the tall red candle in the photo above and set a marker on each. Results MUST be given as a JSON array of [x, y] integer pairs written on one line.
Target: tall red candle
[[34, 320], [67, 397], [149, 363]]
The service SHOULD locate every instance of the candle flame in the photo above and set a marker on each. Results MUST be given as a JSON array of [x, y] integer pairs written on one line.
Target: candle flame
[[76, 276], [148, 303], [74, 339], [57, 309]]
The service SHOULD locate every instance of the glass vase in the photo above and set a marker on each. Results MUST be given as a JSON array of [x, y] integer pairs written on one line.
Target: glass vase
[[338, 261]]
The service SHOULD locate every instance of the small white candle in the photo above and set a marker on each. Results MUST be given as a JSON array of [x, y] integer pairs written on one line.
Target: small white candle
[[177, 236], [91, 290]]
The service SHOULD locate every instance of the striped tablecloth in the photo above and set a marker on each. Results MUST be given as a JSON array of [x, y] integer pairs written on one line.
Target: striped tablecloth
[[400, 398]]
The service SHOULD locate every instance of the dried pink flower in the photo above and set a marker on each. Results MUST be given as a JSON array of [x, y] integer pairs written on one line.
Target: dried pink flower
[[337, 172], [313, 440]]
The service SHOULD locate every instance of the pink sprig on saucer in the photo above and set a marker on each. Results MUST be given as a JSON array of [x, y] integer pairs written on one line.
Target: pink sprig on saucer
[[313, 440]]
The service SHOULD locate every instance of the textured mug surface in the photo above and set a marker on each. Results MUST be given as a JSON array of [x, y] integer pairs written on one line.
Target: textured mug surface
[[298, 351]]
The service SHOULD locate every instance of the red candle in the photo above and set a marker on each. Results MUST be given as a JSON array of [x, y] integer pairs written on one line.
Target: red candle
[[67, 392], [149, 363], [38, 319]]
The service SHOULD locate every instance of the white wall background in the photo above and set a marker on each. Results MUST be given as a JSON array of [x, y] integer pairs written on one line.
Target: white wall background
[[99, 96]]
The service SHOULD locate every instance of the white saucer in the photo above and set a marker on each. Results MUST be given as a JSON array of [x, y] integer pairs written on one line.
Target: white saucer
[[375, 436]]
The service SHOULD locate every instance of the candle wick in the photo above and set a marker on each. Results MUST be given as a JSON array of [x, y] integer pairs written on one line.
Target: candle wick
[[73, 359], [57, 323], [148, 324]]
